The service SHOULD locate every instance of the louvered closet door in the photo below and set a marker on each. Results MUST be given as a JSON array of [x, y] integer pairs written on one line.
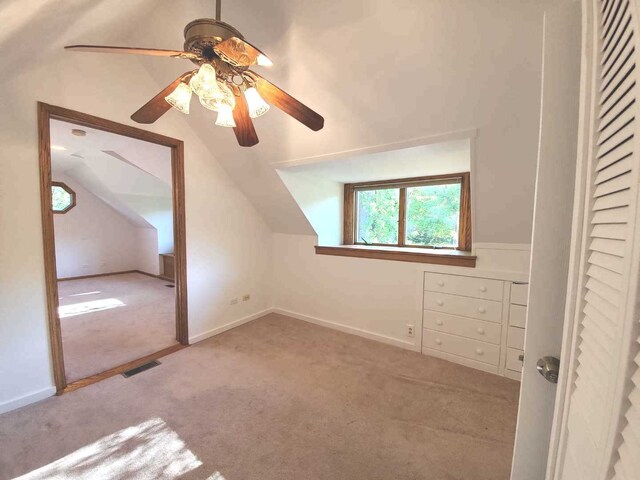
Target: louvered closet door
[[602, 430]]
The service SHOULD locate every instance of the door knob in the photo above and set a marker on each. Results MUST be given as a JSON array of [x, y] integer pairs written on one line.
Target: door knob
[[549, 367]]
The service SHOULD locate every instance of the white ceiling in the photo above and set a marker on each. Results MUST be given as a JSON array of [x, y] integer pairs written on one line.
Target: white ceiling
[[149, 157], [121, 171], [435, 159], [380, 72]]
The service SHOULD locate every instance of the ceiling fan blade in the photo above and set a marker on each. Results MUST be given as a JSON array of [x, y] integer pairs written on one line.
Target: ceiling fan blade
[[133, 51], [157, 106], [244, 129], [240, 53], [288, 104]]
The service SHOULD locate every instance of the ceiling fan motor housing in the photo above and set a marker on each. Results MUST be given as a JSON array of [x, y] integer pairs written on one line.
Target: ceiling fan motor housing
[[201, 35]]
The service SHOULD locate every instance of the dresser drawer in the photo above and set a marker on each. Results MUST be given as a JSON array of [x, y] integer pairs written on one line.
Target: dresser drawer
[[519, 293], [515, 338], [463, 347], [517, 315], [467, 286], [463, 326], [488, 310], [513, 359]]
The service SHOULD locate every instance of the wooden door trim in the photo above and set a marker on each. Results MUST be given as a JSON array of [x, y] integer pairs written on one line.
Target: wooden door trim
[[45, 114]]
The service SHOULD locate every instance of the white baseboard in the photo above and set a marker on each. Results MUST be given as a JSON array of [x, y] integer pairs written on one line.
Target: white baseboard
[[27, 399], [236, 323], [352, 330]]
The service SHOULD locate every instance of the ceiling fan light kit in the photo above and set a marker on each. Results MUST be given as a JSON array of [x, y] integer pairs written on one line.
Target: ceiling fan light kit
[[180, 98], [222, 82]]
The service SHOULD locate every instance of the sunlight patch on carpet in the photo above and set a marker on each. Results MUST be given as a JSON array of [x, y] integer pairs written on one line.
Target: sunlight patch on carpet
[[84, 293], [88, 307], [150, 450]]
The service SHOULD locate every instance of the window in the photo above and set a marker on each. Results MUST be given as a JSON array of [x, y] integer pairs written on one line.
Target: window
[[427, 212], [63, 198]]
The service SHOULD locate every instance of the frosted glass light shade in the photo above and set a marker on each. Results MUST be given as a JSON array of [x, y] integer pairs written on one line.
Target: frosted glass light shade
[[225, 118], [263, 61], [205, 82], [257, 106], [223, 100], [180, 98]]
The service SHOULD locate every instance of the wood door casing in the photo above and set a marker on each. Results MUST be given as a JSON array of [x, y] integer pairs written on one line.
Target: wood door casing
[[45, 114]]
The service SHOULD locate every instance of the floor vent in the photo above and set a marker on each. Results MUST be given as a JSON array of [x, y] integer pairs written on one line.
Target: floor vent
[[170, 286], [140, 369]]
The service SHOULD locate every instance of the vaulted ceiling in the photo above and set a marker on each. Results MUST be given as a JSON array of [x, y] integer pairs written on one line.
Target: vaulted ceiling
[[379, 72]]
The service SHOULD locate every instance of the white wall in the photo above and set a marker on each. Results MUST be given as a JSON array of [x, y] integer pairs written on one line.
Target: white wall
[[470, 64], [229, 246], [158, 211], [147, 251], [321, 200], [372, 298], [93, 238]]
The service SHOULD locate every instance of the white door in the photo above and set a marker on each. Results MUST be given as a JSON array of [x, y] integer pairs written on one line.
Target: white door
[[596, 433], [551, 240]]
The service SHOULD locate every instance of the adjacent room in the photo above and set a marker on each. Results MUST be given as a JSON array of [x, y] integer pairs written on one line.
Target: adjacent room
[[268, 239], [114, 248]]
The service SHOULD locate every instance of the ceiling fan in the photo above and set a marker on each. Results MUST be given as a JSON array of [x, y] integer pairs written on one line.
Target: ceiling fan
[[222, 82]]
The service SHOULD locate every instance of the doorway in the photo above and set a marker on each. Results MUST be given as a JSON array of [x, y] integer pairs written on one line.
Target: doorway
[[114, 243]]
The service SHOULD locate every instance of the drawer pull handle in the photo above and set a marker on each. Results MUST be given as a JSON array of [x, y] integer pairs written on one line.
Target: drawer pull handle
[[440, 303], [438, 341], [439, 322], [483, 288], [479, 351], [440, 283], [482, 310], [481, 330]]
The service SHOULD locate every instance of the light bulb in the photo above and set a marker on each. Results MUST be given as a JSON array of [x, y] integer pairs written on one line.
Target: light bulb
[[257, 106], [264, 61], [223, 100], [180, 98], [205, 83], [225, 118]]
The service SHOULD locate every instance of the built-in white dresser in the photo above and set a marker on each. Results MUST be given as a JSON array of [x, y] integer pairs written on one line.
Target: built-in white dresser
[[515, 332], [475, 321]]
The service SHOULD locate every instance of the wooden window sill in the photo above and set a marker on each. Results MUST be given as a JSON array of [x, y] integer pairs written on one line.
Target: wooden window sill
[[438, 257]]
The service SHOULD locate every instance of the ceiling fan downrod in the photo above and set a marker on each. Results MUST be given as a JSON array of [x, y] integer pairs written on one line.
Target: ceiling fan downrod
[[218, 9]]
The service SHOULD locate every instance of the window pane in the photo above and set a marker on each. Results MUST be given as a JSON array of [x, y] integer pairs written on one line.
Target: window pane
[[378, 214], [433, 215], [61, 198]]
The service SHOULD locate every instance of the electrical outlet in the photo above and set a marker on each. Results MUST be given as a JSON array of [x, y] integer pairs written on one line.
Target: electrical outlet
[[246, 297], [233, 301], [410, 331]]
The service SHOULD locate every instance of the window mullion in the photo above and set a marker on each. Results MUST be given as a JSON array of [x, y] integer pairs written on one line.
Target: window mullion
[[402, 214]]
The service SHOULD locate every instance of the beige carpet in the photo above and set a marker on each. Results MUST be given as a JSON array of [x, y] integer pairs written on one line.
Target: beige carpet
[[108, 321], [274, 399]]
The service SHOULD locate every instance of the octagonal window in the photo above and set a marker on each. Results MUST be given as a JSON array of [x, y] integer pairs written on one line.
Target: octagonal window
[[63, 198]]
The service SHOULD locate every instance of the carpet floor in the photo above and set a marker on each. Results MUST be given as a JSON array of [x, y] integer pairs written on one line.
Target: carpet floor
[[110, 320], [276, 398]]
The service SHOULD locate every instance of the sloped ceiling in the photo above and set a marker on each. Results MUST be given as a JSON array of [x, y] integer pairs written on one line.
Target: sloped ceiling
[[127, 174], [378, 71]]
